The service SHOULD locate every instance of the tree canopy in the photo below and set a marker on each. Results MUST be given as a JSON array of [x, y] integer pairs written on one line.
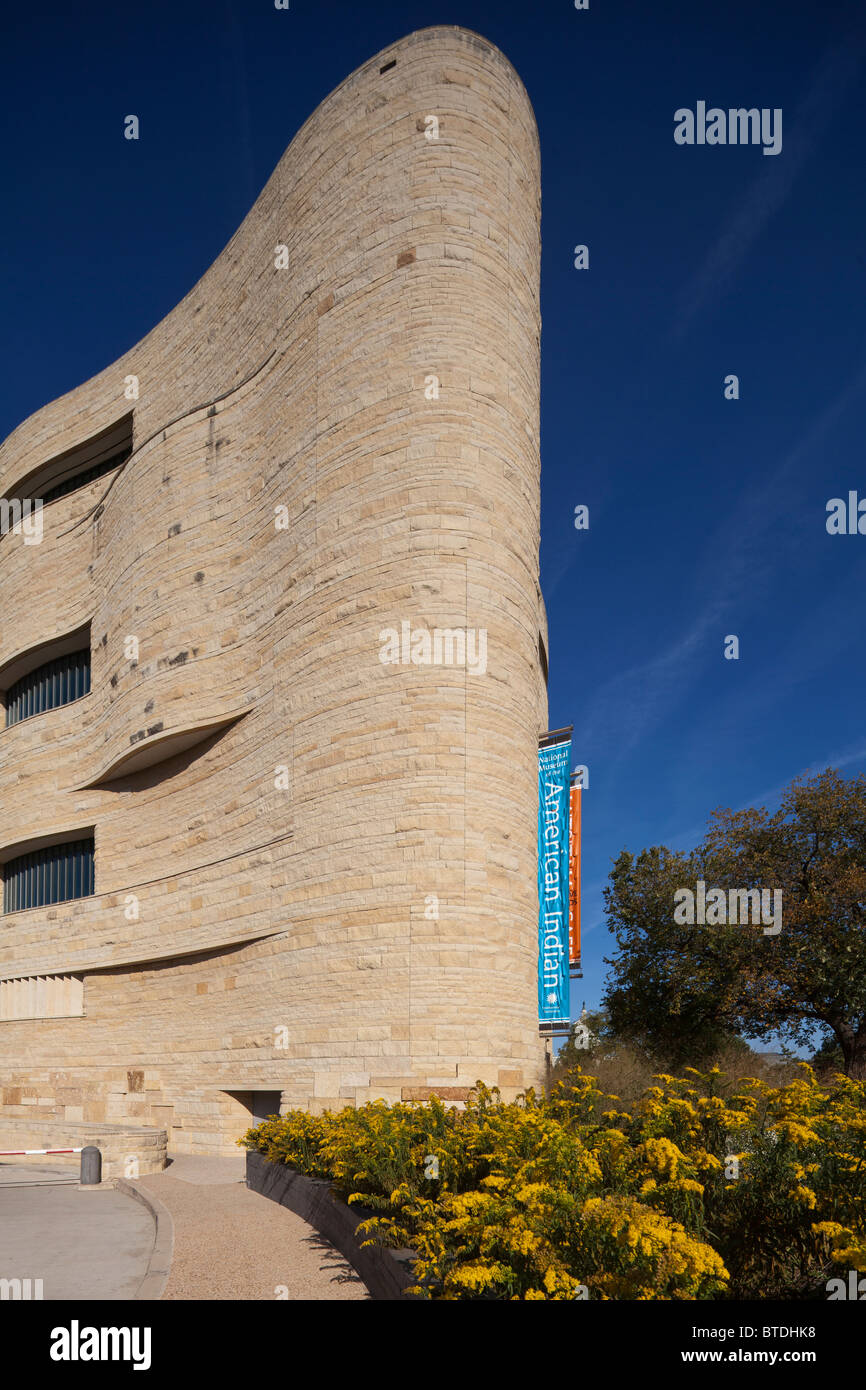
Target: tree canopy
[[681, 988]]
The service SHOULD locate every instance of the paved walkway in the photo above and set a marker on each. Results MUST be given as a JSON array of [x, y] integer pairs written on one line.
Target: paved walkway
[[230, 1243], [82, 1244], [28, 1174]]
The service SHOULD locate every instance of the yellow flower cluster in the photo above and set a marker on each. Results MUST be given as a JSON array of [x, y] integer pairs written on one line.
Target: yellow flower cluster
[[648, 1256], [847, 1248]]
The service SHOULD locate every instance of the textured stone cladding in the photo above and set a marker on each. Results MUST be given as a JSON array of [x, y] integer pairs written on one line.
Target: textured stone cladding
[[362, 923]]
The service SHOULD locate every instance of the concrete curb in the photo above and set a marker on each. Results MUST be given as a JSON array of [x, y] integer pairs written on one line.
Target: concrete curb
[[153, 1284], [387, 1273]]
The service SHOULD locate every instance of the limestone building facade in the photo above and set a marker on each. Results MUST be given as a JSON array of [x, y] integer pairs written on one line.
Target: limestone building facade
[[271, 850]]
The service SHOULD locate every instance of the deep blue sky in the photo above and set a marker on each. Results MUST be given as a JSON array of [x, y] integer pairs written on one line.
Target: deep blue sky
[[707, 516]]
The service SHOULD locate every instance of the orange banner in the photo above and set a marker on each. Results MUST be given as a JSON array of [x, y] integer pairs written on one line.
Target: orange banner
[[574, 878]]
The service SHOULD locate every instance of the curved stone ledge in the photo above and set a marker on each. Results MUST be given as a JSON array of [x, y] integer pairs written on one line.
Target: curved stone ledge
[[91, 935], [387, 1273], [156, 748], [135, 958]]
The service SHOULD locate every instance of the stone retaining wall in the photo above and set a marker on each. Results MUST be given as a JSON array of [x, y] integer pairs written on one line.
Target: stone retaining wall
[[387, 1273], [118, 1144]]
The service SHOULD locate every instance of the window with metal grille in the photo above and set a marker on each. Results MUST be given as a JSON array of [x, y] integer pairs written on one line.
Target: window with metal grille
[[54, 874], [89, 475], [58, 682]]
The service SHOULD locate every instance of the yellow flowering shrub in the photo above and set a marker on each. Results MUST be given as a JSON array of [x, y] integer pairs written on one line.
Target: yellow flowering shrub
[[638, 1254], [761, 1194]]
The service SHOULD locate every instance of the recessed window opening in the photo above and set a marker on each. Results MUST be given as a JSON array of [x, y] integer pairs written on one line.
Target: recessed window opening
[[388, 66], [87, 475], [54, 673], [55, 683], [542, 657], [77, 467], [53, 874]]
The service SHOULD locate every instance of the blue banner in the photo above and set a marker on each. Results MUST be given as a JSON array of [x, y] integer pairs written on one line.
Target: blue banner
[[554, 765]]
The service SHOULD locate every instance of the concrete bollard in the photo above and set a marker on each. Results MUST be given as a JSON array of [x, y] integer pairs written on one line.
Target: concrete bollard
[[91, 1166]]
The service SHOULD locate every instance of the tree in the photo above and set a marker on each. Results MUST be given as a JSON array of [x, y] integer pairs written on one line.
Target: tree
[[682, 989]]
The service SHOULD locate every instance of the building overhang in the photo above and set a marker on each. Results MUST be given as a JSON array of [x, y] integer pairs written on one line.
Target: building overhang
[[157, 749]]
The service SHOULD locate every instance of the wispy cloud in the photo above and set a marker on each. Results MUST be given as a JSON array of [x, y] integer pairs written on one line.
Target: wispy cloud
[[771, 796], [854, 753], [636, 699], [828, 88]]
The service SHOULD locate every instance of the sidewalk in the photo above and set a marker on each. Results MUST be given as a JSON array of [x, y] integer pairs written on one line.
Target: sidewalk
[[230, 1243], [82, 1244]]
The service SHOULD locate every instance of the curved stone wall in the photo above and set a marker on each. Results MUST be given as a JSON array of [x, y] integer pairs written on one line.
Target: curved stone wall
[[332, 892]]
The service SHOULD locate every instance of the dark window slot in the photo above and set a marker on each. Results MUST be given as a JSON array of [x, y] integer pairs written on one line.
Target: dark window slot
[[55, 874], [89, 475], [58, 682]]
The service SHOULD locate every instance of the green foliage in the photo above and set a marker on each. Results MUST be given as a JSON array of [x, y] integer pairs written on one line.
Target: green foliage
[[682, 991]]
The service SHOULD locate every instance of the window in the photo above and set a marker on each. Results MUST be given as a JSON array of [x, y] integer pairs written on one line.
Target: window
[[57, 682], [88, 475], [542, 657], [76, 468], [54, 874]]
